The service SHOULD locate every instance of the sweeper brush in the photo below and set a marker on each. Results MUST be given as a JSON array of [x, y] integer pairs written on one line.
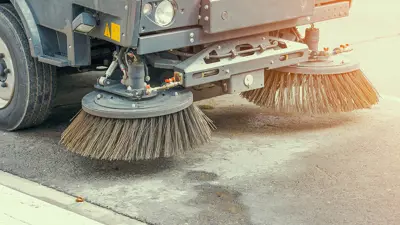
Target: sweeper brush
[[128, 120], [328, 82], [315, 87], [94, 135]]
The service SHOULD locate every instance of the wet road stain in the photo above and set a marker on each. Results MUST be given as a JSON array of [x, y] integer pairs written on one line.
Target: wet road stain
[[200, 176], [221, 205]]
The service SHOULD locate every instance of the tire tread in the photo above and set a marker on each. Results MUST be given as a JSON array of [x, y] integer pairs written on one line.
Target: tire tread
[[42, 82]]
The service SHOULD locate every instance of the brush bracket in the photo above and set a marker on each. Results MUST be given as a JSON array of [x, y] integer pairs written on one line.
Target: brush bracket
[[109, 105], [337, 64]]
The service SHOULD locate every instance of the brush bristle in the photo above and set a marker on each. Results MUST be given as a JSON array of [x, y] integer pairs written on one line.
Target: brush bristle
[[137, 139], [314, 94]]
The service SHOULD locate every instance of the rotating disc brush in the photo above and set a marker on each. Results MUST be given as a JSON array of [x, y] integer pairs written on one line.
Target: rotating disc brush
[[316, 87], [111, 127]]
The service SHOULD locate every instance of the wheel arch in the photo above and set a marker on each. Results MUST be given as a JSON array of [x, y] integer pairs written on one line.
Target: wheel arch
[[30, 27]]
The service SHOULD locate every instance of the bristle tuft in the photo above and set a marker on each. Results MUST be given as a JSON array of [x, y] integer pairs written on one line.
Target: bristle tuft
[[314, 93], [138, 139]]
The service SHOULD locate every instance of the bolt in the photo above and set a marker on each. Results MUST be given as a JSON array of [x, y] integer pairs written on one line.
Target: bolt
[[147, 78], [199, 17], [108, 82], [2, 55], [224, 15], [263, 38], [227, 71], [191, 40], [272, 62], [99, 96], [176, 93], [3, 85], [191, 34], [206, 7], [206, 18], [308, 18], [219, 47], [133, 106], [126, 7]]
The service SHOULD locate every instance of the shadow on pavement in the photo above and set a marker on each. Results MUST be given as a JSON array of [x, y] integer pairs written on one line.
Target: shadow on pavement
[[250, 120]]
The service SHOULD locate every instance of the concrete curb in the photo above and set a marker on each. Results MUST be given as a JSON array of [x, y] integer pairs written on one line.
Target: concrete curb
[[63, 201]]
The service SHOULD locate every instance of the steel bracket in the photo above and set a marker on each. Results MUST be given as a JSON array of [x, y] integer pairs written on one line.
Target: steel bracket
[[206, 67]]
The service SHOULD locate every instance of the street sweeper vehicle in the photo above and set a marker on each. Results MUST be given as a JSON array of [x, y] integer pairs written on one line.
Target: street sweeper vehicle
[[159, 54]]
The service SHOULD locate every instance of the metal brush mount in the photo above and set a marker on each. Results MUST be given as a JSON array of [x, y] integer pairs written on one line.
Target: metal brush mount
[[132, 98], [337, 64], [323, 62], [311, 39]]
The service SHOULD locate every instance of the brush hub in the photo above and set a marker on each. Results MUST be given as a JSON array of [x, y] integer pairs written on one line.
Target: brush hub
[[104, 104], [338, 64]]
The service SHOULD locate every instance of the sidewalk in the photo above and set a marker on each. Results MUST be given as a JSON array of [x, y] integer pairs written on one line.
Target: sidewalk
[[23, 202], [17, 208]]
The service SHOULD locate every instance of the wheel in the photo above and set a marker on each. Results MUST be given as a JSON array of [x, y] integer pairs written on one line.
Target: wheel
[[27, 87]]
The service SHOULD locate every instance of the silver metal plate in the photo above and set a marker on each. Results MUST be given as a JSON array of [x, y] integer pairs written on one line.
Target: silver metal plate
[[104, 104], [224, 15], [246, 81], [335, 65]]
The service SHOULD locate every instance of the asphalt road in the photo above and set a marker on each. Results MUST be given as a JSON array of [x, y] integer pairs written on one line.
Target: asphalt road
[[260, 168]]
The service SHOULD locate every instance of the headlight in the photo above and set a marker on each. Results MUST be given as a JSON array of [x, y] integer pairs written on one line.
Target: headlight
[[164, 13]]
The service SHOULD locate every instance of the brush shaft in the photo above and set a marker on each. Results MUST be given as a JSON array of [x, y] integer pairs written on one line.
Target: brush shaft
[[136, 75], [312, 39]]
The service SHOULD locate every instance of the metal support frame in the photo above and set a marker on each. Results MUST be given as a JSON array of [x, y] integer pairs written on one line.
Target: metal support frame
[[197, 71]]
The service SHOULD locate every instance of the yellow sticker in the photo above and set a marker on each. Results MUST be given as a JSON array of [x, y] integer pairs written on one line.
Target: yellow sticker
[[107, 32], [116, 32]]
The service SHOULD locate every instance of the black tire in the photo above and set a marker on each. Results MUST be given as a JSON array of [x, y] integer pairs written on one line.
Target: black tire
[[35, 82]]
